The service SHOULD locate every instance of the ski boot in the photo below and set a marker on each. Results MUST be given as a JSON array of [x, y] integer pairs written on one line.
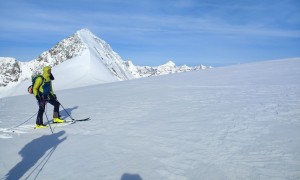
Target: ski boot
[[57, 120], [40, 126]]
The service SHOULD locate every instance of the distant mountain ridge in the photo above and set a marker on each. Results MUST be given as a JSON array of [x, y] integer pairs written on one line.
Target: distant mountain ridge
[[167, 68], [14, 72]]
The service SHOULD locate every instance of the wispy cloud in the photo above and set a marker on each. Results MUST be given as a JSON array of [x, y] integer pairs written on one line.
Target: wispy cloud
[[147, 22], [28, 17]]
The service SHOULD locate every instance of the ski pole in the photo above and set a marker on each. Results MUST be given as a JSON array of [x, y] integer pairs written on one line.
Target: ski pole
[[66, 111], [48, 119]]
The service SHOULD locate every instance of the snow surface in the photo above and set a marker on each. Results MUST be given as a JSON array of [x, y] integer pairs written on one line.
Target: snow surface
[[238, 122]]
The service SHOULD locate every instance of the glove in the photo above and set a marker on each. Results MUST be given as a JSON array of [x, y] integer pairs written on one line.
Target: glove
[[54, 96], [38, 98], [40, 101], [51, 76], [44, 98]]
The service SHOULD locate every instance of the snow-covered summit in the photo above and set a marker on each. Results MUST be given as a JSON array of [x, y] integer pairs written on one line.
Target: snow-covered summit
[[85, 57], [102, 51]]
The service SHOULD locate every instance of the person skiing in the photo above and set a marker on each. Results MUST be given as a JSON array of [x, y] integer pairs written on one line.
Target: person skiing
[[42, 90]]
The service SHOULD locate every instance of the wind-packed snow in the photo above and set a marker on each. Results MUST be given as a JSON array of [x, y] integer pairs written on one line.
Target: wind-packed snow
[[238, 122]]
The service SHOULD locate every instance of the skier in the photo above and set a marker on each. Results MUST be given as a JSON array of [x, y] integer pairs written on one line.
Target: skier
[[43, 92]]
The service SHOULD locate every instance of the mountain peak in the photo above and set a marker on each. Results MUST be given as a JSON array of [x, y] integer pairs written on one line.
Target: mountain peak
[[170, 64], [97, 62], [84, 30], [86, 33]]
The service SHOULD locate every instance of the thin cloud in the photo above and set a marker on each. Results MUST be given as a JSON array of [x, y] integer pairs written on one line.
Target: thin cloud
[[33, 19], [151, 23]]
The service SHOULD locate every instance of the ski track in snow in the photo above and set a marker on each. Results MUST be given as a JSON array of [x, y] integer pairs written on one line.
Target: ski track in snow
[[165, 128]]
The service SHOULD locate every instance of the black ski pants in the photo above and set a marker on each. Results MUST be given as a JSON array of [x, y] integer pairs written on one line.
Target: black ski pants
[[42, 104]]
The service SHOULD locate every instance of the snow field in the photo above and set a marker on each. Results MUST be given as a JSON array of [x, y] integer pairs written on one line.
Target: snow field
[[239, 122]]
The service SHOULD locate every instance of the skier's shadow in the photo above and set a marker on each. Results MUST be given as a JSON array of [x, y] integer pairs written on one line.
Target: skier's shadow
[[65, 114], [32, 152], [127, 176]]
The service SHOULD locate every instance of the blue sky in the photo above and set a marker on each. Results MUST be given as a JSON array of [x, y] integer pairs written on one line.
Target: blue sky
[[192, 32]]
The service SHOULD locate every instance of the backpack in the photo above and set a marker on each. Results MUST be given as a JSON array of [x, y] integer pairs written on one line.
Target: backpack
[[34, 78]]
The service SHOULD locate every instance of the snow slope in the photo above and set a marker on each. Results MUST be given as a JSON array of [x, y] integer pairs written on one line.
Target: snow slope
[[238, 122]]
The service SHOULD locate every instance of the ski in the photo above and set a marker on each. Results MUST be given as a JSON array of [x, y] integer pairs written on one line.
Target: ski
[[71, 121], [77, 120], [85, 119]]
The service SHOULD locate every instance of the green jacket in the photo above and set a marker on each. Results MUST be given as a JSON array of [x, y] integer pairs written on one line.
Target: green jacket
[[43, 87]]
